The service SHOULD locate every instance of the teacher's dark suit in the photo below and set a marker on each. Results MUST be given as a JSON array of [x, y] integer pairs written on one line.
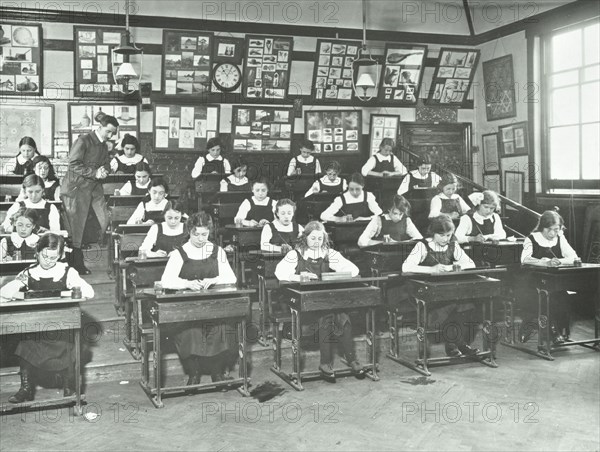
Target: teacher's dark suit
[[80, 190]]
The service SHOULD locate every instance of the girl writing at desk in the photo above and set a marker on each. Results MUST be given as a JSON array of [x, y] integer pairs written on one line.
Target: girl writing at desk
[[152, 211], [421, 178], [23, 160], [447, 200], [436, 254], [305, 163], [396, 224], [42, 167], [259, 209], [331, 182], [282, 233], [484, 223], [48, 216], [384, 163], [355, 202], [311, 258], [126, 162], [546, 246], [21, 244], [197, 265], [142, 175], [163, 238], [53, 354], [213, 162], [238, 180]]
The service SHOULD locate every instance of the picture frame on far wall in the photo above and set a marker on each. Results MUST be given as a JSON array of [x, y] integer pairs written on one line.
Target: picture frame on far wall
[[514, 185], [513, 139], [499, 88], [184, 128], [35, 121], [492, 182], [228, 50], [454, 73], [490, 152], [402, 73], [334, 131], [382, 126], [22, 54]]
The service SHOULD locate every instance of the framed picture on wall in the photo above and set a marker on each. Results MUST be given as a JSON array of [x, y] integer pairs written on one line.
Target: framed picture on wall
[[228, 50], [382, 126], [492, 182], [490, 152], [514, 185], [21, 50], [332, 76], [334, 131], [499, 88], [184, 128], [514, 139], [35, 121], [453, 76], [94, 60], [402, 73], [262, 129], [81, 119]]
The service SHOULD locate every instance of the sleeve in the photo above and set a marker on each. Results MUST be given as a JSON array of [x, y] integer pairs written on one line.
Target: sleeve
[[242, 212], [54, 218], [57, 193], [21, 196], [77, 160], [404, 187], [226, 165], [198, 167], [7, 225], [412, 263], [9, 290], [314, 188], [265, 239], [435, 208], [463, 205], [74, 280], [145, 160], [226, 274], [412, 230], [291, 167], [170, 278], [463, 229], [435, 179], [317, 166], [300, 229], [126, 189], [344, 185], [114, 165], [223, 186], [339, 263], [567, 251], [3, 248], [462, 258], [527, 252], [150, 239], [398, 166], [286, 268], [499, 232], [138, 214], [274, 207], [368, 166], [369, 232], [329, 213], [373, 206]]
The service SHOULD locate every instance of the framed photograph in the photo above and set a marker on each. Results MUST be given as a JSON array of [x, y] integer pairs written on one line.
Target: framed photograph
[[514, 139], [93, 61], [187, 63], [228, 49], [453, 76], [332, 75], [262, 129], [492, 182], [21, 50], [184, 128], [382, 126], [490, 152], [401, 74], [499, 88], [334, 131], [81, 119], [514, 185], [35, 121]]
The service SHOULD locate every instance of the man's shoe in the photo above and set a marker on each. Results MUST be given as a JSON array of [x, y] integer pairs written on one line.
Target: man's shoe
[[451, 349], [467, 350], [327, 372]]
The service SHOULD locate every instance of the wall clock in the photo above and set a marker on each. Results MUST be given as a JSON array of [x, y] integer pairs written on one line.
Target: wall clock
[[227, 76]]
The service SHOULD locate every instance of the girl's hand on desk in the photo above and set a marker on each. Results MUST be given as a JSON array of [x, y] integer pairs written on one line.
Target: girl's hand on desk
[[207, 282], [194, 285], [263, 222], [554, 262], [149, 222], [308, 275], [252, 223], [362, 219], [478, 238], [160, 253], [7, 258], [454, 215], [285, 248], [441, 268]]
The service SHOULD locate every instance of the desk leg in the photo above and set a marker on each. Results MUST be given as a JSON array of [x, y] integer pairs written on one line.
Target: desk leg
[[393, 325], [423, 331], [370, 319], [296, 348], [157, 399], [295, 378], [243, 271], [242, 352], [489, 343], [264, 310], [78, 410], [544, 350]]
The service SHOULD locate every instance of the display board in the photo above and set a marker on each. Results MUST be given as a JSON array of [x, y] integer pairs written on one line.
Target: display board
[[334, 131], [184, 128], [21, 53], [267, 67], [81, 119], [332, 75], [382, 126], [402, 73], [453, 76], [264, 129], [18, 121]]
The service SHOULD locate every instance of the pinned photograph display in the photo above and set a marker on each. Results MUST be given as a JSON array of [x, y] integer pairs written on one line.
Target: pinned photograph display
[[21, 55], [267, 67], [93, 60], [499, 88], [332, 76], [514, 139], [266, 129], [227, 49], [334, 131], [382, 126], [186, 63], [81, 119], [453, 76], [18, 121], [184, 128], [402, 73]]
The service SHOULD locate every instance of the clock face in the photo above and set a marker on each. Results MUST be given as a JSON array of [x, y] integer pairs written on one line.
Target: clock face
[[227, 76]]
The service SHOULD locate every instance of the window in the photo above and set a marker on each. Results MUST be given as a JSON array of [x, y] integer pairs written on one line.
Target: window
[[572, 107]]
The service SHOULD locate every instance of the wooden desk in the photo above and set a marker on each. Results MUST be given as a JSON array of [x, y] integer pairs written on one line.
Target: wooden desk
[[345, 232], [124, 244], [311, 208], [113, 182], [384, 188], [298, 184], [387, 258], [549, 280], [54, 314], [323, 297], [420, 202], [219, 303], [267, 283], [244, 238], [495, 254], [11, 179], [452, 287]]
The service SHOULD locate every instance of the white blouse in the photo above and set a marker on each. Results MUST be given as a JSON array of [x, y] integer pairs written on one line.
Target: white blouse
[[316, 187], [152, 235], [286, 268], [435, 207], [151, 206], [53, 216], [309, 159], [126, 189], [245, 207], [412, 264], [129, 161], [266, 235], [465, 227], [224, 186], [200, 164], [17, 241], [373, 229], [329, 213], [567, 251]]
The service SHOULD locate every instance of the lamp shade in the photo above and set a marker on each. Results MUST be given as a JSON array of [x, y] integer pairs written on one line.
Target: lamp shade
[[365, 81], [126, 70]]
